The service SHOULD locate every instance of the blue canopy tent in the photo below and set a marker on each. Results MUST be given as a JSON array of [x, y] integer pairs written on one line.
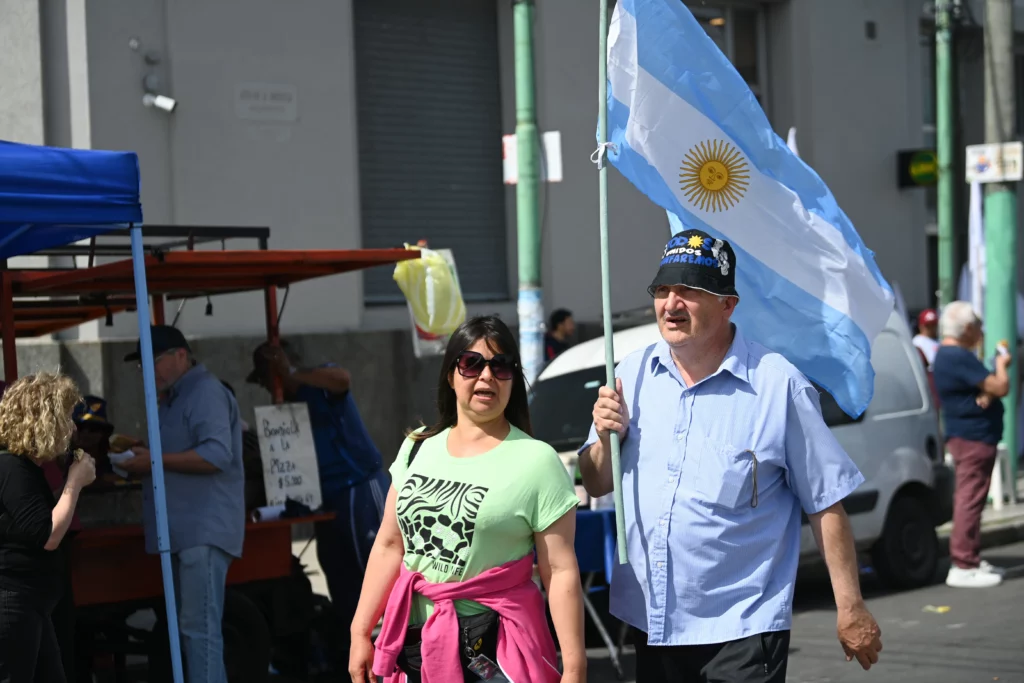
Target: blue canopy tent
[[50, 197]]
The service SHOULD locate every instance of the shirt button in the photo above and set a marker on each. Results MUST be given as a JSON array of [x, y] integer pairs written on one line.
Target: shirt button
[[679, 437], [662, 522], [660, 564]]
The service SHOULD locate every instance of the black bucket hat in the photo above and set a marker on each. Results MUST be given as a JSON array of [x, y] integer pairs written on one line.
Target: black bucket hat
[[694, 259]]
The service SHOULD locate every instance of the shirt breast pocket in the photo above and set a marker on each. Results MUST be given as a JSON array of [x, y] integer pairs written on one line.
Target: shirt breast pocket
[[725, 475]]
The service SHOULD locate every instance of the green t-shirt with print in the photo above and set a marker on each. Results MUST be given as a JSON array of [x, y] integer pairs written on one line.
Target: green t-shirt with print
[[462, 516]]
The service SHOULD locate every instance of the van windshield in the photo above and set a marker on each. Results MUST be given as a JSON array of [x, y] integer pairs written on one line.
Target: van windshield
[[561, 408]]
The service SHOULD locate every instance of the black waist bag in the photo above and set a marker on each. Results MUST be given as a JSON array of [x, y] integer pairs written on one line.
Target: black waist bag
[[478, 635]]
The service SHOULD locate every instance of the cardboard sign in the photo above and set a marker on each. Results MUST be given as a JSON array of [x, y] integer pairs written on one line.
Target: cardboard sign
[[289, 454]]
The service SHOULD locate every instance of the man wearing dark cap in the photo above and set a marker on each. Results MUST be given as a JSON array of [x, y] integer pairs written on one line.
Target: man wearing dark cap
[[353, 483], [201, 437], [93, 431], [723, 446]]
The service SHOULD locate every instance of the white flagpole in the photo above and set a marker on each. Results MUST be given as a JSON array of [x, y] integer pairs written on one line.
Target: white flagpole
[[606, 296]]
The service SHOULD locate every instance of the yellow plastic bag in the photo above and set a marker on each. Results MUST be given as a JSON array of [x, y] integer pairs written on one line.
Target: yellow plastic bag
[[431, 287]]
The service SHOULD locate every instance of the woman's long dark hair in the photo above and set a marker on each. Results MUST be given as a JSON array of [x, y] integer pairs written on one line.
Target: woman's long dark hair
[[501, 340]]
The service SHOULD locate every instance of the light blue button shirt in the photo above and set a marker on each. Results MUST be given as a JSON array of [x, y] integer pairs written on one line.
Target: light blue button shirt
[[199, 413], [707, 562]]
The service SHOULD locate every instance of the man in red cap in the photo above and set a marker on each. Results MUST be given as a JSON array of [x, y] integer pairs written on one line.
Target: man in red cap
[[927, 338]]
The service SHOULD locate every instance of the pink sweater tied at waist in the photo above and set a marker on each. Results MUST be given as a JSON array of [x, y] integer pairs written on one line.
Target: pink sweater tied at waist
[[526, 651]]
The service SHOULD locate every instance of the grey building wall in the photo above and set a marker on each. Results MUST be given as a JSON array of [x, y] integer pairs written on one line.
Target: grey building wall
[[566, 45], [56, 74], [854, 100], [21, 74], [205, 164]]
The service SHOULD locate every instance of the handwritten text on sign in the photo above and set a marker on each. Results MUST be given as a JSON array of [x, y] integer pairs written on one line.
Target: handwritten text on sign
[[289, 454]]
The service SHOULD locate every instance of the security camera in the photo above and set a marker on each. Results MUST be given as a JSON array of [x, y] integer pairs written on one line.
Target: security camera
[[167, 104]]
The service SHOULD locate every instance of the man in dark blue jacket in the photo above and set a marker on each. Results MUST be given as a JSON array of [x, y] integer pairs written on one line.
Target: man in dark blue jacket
[[352, 478]]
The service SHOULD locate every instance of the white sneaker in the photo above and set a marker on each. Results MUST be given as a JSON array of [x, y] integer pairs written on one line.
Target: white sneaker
[[971, 578], [989, 568]]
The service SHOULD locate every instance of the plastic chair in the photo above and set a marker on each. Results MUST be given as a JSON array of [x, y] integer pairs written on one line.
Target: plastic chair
[[595, 552]]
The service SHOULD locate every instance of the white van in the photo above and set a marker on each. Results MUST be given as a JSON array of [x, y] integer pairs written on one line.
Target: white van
[[908, 490]]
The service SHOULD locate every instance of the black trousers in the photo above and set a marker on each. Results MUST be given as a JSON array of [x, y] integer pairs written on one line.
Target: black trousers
[[757, 659], [28, 644]]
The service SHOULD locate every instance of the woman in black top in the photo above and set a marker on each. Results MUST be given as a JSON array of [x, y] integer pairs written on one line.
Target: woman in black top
[[35, 427]]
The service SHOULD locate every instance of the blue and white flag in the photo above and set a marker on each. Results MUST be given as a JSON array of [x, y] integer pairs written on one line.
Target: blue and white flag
[[688, 132]]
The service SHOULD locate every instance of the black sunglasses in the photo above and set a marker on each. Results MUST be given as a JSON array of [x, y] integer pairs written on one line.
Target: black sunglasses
[[471, 364]]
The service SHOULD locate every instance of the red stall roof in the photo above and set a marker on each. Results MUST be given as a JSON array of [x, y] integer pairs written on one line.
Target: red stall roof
[[109, 288]]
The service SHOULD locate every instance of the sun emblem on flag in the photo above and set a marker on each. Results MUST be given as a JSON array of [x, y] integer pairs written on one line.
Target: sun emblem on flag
[[714, 176]]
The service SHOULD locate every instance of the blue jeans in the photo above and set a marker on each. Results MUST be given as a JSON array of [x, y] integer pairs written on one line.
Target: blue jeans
[[200, 574]]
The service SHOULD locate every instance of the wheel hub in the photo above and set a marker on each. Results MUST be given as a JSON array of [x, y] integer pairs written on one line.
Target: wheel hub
[[914, 545]]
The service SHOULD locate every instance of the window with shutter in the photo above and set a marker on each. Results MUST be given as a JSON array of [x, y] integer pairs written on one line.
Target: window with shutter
[[429, 107]]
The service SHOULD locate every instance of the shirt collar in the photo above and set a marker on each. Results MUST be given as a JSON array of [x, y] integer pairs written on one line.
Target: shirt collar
[[183, 383], [735, 361]]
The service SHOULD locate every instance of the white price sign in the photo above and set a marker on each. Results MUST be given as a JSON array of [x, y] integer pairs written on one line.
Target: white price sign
[[289, 454], [550, 163], [995, 163]]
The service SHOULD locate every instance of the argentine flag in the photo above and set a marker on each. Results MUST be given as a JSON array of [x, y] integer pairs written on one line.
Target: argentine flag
[[688, 132]]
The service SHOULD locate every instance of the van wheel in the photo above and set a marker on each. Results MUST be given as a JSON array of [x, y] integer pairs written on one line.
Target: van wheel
[[907, 554]]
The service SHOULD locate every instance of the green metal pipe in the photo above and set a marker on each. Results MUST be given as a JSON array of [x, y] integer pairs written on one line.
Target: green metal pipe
[[530, 307], [1001, 211], [1001, 301], [944, 150]]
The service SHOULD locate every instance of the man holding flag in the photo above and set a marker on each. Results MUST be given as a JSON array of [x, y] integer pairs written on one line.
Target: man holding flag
[[722, 438], [723, 443]]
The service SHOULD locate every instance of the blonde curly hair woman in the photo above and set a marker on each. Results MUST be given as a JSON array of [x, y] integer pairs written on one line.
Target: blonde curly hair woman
[[35, 428]]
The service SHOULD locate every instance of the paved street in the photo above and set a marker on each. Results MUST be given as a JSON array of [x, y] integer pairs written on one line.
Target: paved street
[[980, 637]]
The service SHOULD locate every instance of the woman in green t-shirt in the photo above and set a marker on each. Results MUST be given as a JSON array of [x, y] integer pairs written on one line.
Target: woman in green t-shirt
[[474, 492]]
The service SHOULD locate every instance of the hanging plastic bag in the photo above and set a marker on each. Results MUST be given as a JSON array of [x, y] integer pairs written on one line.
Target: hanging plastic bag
[[431, 287]]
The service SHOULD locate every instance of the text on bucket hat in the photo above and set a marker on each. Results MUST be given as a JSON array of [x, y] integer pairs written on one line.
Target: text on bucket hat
[[693, 258]]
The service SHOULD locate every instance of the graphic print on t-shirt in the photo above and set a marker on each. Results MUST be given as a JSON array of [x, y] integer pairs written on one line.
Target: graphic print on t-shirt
[[437, 518]]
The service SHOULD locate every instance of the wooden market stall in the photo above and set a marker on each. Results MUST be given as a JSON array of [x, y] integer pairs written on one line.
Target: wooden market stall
[[112, 573]]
